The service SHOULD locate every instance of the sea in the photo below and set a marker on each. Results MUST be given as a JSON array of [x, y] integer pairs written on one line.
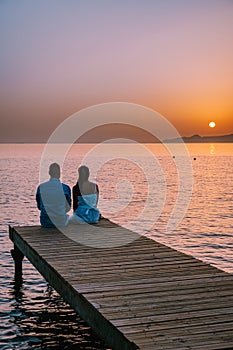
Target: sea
[[180, 195]]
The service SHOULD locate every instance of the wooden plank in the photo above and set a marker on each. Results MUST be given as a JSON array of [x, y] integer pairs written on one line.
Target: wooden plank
[[167, 315], [151, 300], [167, 341], [168, 283], [160, 289], [204, 321]]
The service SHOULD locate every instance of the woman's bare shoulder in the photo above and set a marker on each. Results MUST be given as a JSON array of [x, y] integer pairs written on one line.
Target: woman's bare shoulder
[[89, 187]]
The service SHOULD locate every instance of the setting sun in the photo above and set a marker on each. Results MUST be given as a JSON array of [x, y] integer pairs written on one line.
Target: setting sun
[[212, 124]]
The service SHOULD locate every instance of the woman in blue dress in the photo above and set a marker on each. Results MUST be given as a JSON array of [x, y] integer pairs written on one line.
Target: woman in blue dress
[[85, 199]]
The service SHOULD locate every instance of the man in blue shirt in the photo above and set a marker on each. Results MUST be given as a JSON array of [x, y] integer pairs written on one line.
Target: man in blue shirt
[[53, 199]]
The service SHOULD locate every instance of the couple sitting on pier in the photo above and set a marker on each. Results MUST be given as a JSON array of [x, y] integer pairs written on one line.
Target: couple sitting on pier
[[54, 200]]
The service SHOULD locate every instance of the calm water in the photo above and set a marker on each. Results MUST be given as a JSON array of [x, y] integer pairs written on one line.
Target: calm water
[[35, 317]]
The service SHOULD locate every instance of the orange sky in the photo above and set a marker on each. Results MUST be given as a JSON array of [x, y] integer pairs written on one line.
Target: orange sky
[[58, 57]]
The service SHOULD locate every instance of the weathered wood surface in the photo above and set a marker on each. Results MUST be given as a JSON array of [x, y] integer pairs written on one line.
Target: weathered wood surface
[[139, 295]]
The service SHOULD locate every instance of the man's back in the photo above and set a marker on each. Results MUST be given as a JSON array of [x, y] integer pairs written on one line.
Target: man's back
[[53, 200]]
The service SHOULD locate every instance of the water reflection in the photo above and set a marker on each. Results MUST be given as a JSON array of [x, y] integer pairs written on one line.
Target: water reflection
[[212, 149], [47, 322]]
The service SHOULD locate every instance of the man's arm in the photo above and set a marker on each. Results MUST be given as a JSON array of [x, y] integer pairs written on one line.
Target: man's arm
[[67, 193], [38, 197]]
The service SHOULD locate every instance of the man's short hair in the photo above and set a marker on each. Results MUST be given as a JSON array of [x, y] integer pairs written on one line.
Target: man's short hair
[[54, 170]]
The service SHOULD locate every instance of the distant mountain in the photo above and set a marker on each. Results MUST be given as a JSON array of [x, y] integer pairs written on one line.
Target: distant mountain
[[122, 131], [202, 139]]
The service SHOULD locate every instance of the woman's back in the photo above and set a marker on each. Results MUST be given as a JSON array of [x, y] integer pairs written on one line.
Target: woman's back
[[85, 199], [87, 187]]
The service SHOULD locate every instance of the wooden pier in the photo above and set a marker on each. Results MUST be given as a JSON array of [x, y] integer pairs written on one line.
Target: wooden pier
[[143, 295]]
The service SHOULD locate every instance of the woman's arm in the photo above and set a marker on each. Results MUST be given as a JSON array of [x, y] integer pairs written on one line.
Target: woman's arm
[[97, 192], [75, 198]]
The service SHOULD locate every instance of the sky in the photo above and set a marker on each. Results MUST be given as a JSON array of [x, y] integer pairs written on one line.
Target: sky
[[59, 56]]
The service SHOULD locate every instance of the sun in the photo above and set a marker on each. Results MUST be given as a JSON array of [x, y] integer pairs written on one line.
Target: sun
[[212, 124]]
